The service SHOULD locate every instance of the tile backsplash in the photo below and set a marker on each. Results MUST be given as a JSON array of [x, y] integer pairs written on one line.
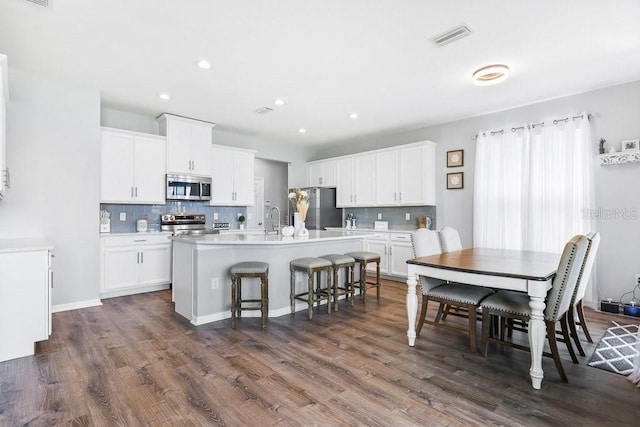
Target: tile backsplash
[[394, 215], [153, 212]]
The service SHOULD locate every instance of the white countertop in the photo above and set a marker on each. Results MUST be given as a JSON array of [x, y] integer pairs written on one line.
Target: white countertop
[[270, 239], [370, 230], [25, 245]]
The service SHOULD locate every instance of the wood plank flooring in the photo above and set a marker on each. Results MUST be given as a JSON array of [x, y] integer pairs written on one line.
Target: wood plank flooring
[[134, 362]]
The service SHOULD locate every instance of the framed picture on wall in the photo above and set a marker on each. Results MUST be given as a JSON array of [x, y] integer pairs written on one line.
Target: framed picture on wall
[[631, 145], [455, 180], [455, 158]]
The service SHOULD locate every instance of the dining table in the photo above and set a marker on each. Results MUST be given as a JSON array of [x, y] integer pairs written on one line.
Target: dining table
[[525, 271]]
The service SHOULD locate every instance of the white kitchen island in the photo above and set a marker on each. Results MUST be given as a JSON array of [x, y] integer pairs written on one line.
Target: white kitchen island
[[201, 282]]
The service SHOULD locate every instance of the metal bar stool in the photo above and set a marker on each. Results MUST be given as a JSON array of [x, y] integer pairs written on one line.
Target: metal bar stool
[[363, 258], [348, 263], [310, 266], [249, 269]]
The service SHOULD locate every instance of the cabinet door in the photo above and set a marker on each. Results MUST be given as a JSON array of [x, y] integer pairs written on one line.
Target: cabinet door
[[399, 253], [243, 172], [116, 167], [178, 149], [344, 182], [364, 180], [222, 192], [314, 174], [381, 248], [329, 174], [412, 173], [121, 267], [386, 170], [155, 262], [200, 149], [149, 172]]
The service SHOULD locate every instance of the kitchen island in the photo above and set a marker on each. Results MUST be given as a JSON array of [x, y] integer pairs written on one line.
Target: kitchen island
[[201, 282]]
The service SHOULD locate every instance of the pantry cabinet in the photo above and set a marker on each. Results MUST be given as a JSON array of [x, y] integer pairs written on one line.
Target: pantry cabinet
[[321, 174], [134, 263], [25, 296], [355, 181], [4, 99], [232, 176], [188, 144], [132, 167]]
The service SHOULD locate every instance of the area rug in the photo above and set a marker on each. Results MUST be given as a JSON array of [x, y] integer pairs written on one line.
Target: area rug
[[616, 349]]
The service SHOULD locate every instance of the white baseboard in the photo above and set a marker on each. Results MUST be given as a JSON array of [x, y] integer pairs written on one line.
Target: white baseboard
[[197, 321], [75, 305]]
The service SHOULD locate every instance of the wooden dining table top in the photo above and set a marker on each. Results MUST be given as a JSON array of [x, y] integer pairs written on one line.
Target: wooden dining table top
[[529, 265]]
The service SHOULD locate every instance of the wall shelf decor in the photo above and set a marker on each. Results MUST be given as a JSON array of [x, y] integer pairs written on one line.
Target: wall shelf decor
[[619, 158]]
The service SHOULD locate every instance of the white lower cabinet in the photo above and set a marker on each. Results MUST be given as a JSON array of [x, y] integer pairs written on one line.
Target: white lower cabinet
[[134, 264], [25, 301], [394, 249]]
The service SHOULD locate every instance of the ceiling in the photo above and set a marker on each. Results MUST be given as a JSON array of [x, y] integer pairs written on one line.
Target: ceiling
[[325, 59]]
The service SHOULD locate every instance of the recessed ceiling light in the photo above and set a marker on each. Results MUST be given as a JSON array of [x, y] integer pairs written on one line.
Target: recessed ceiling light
[[490, 75], [204, 64], [353, 115], [302, 130], [279, 101], [165, 96]]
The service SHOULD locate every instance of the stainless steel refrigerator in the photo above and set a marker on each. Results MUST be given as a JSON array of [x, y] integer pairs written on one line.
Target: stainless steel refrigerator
[[322, 209]]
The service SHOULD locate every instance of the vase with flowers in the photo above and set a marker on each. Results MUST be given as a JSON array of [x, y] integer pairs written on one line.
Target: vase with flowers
[[300, 200]]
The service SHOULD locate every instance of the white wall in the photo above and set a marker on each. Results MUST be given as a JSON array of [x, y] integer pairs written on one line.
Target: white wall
[[53, 153], [265, 148], [617, 116]]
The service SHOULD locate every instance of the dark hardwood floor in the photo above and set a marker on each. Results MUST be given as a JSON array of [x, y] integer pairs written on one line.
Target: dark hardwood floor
[[133, 361]]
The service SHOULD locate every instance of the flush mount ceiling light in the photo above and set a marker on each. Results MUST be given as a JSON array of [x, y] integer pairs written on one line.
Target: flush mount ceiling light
[[165, 96], [490, 75], [204, 64], [353, 116], [302, 130], [279, 101]]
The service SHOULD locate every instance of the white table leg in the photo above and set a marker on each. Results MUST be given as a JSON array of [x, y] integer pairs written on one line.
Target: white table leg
[[537, 331], [412, 306]]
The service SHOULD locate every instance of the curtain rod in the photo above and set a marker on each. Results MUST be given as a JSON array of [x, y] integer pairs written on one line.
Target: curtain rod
[[534, 125]]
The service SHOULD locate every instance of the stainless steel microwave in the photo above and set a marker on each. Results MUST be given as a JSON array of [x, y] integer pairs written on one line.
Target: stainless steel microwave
[[188, 187]]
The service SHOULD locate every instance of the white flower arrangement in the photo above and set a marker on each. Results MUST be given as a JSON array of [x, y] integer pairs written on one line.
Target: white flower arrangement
[[298, 195]]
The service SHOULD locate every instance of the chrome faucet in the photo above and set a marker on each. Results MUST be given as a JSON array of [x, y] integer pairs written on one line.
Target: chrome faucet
[[275, 226]]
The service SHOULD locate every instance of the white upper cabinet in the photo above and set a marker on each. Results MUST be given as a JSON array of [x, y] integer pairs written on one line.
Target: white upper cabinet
[[405, 176], [321, 174], [132, 167], [398, 176], [4, 98], [188, 144], [232, 176], [355, 181]]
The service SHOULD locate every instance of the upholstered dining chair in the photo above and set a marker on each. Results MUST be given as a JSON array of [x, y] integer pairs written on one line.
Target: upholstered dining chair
[[449, 239], [425, 243], [515, 305], [581, 289]]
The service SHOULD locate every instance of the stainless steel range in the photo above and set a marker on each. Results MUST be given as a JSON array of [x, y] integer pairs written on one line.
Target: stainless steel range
[[181, 224]]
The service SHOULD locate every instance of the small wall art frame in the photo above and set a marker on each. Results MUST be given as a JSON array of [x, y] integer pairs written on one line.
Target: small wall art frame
[[630, 145], [455, 158], [455, 181]]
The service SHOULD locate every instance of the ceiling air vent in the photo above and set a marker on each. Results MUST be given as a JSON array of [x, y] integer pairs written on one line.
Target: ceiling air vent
[[451, 36], [263, 110], [44, 3]]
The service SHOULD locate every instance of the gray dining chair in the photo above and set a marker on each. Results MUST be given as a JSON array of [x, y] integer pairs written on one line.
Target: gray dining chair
[[515, 305], [425, 243], [581, 289]]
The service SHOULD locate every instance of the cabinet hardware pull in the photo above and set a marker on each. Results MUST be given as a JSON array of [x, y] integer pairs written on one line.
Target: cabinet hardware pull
[[131, 191], [400, 196], [385, 250], [7, 178], [394, 196], [142, 257], [139, 240], [137, 257], [136, 191]]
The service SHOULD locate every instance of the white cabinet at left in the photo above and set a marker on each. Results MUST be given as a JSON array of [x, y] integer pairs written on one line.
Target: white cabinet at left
[[132, 167], [25, 295], [133, 263], [4, 98]]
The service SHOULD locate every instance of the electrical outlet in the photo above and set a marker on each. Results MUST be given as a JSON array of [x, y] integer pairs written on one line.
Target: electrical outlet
[[238, 214], [215, 283], [379, 216], [123, 216], [637, 279], [407, 216], [215, 215]]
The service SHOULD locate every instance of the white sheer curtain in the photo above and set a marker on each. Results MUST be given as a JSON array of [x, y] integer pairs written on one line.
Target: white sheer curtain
[[532, 186]]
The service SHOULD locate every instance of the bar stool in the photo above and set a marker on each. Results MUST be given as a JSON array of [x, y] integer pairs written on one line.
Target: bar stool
[[339, 261], [363, 258], [311, 266], [249, 269]]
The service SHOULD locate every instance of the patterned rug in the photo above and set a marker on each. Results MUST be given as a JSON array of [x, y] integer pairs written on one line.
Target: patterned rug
[[616, 349]]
